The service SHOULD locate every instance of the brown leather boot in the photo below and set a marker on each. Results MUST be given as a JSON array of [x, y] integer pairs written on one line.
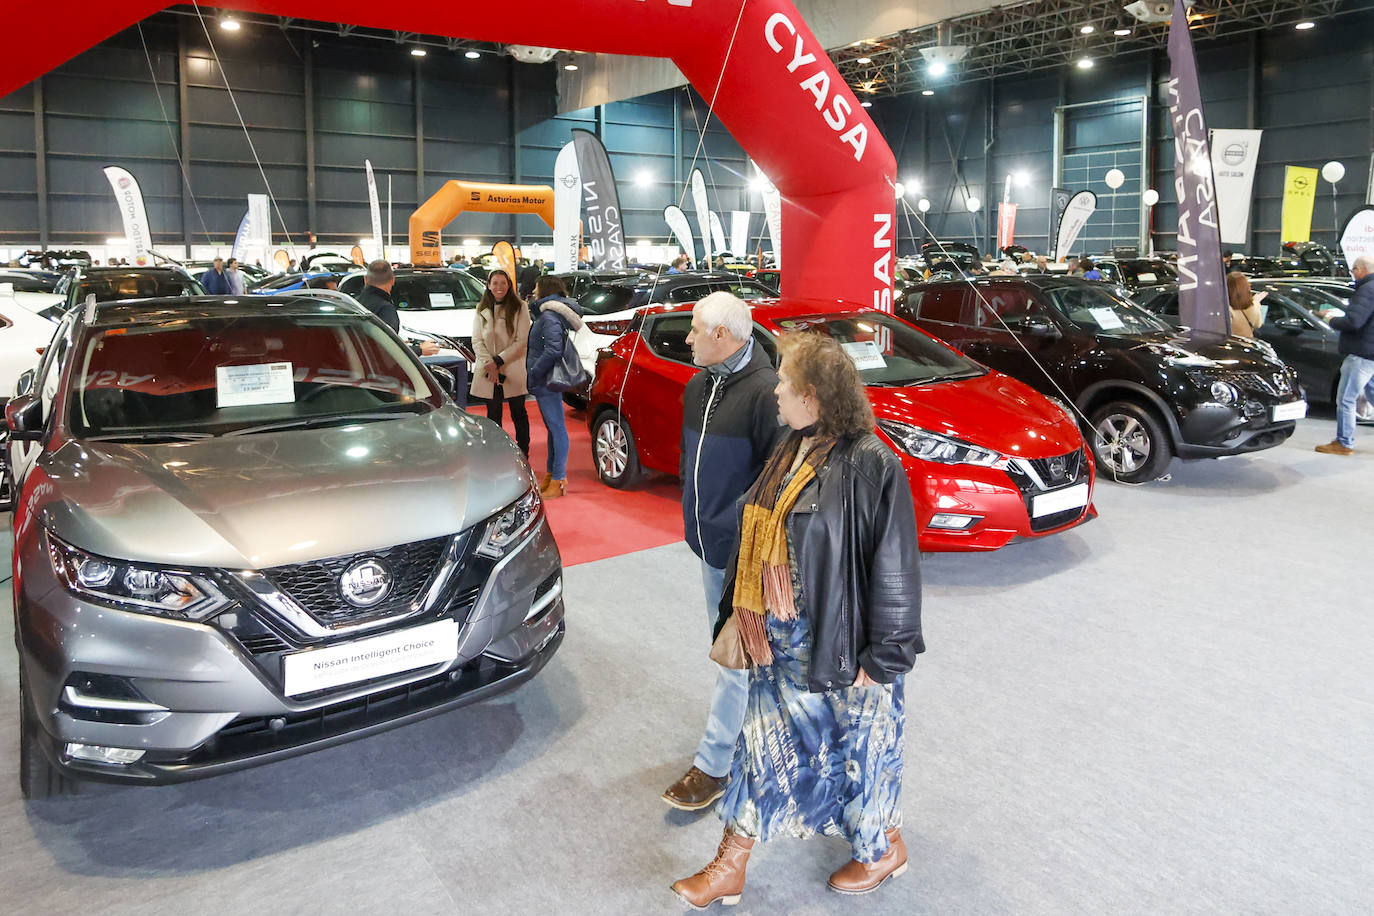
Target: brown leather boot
[[544, 482], [859, 878], [695, 790], [722, 879], [554, 488], [1334, 447]]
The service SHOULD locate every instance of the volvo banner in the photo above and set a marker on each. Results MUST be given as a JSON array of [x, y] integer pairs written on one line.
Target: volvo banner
[[1076, 213], [567, 209], [377, 240], [1235, 153], [1299, 196], [1059, 200], [600, 202], [1202, 302], [1357, 240], [130, 199], [682, 231]]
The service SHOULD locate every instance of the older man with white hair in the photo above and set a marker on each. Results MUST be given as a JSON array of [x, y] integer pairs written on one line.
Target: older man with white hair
[[729, 426], [1357, 345]]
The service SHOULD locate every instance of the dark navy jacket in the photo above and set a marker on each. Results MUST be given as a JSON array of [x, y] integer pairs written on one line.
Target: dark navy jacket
[[216, 284], [729, 426], [548, 336], [1357, 324]]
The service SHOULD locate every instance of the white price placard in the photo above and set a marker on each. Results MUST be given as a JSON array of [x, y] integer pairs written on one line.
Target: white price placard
[[865, 354], [265, 383], [1106, 319], [364, 659], [1075, 497], [1293, 410], [441, 300]]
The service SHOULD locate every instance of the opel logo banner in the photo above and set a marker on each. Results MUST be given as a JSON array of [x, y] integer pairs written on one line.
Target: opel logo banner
[[365, 583]]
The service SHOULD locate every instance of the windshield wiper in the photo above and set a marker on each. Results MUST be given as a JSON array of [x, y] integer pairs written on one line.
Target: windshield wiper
[[151, 436], [952, 377], [321, 420]]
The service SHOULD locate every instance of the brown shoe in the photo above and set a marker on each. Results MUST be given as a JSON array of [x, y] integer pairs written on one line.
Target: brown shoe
[[1334, 447], [544, 482], [554, 488], [722, 879], [858, 878], [695, 790]]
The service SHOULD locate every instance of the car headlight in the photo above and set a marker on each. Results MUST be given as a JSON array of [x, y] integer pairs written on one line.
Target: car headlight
[[1177, 356], [1068, 411], [929, 446], [134, 586], [510, 527], [1223, 393]]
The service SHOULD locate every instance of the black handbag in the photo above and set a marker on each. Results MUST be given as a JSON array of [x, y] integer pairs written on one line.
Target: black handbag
[[568, 373]]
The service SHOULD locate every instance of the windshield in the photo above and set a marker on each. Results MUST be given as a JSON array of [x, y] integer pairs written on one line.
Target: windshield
[[603, 300], [135, 284], [211, 376], [886, 350], [1095, 308], [436, 291], [1146, 272]]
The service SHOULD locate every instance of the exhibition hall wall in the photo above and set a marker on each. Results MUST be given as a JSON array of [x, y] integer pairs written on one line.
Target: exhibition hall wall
[[316, 108]]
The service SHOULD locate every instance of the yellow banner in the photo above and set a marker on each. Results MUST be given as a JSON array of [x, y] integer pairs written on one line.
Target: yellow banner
[[505, 259], [1299, 194]]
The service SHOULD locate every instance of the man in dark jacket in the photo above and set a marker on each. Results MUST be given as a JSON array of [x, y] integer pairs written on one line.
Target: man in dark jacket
[[376, 297], [529, 275], [729, 426], [215, 280], [1357, 345]]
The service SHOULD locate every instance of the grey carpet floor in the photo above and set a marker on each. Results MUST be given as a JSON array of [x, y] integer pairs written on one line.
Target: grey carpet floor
[[1169, 710]]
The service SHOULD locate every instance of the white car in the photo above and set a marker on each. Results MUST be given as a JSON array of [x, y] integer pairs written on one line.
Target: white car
[[23, 337], [29, 290], [433, 300]]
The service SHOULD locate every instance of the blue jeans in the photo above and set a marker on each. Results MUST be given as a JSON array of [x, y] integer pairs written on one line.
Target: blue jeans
[[1357, 375], [551, 409], [717, 748]]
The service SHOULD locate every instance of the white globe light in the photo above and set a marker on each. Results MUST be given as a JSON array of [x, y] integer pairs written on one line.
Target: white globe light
[[1115, 179], [1333, 171], [974, 204], [1151, 197], [923, 205]]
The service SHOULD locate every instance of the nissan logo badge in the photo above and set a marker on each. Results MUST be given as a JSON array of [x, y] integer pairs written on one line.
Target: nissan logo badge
[[365, 583]]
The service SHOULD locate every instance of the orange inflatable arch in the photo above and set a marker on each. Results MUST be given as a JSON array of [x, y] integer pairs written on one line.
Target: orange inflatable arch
[[455, 197]]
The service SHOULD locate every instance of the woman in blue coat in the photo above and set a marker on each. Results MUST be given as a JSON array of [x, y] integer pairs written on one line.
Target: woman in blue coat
[[556, 316]]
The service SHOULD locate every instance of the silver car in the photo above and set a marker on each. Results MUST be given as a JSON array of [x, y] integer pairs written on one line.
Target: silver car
[[244, 530]]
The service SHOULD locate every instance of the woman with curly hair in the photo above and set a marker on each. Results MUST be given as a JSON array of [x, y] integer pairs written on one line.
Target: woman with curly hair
[[823, 604]]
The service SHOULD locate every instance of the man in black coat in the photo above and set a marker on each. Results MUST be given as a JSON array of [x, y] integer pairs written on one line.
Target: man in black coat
[[1357, 346], [729, 426], [376, 297]]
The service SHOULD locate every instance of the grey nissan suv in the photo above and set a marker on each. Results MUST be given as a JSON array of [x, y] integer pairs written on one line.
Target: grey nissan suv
[[247, 529]]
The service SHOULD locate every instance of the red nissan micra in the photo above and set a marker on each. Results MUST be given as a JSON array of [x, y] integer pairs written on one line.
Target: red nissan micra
[[989, 459]]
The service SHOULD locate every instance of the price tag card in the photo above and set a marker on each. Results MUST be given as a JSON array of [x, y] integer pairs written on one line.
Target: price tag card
[[865, 354], [441, 300], [245, 386], [1106, 319]]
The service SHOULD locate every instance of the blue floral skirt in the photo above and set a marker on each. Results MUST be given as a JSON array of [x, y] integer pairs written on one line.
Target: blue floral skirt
[[808, 763]]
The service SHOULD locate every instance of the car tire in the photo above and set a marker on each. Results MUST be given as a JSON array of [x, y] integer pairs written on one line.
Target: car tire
[[38, 778], [1129, 443], [613, 451]]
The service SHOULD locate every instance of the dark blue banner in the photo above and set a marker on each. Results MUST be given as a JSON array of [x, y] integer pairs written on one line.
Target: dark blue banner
[[1202, 301], [600, 203]]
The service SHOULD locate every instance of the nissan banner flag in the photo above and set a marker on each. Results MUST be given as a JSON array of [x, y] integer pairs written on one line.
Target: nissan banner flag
[[600, 202], [243, 237], [1235, 153], [1081, 206], [567, 208], [377, 240], [130, 199], [1202, 302], [1059, 200]]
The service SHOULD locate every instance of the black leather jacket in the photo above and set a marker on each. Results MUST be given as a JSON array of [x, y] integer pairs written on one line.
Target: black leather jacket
[[852, 534]]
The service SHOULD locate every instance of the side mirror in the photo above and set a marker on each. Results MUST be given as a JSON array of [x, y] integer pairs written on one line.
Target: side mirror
[[1291, 325], [24, 385], [445, 379], [24, 418], [1039, 326]]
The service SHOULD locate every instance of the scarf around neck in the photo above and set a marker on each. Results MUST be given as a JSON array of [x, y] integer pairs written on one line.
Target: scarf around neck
[[763, 573]]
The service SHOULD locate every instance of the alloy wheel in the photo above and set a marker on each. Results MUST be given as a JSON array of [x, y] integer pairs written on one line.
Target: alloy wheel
[[612, 448], [1125, 443]]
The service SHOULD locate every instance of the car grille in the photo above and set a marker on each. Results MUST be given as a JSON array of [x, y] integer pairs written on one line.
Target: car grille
[[1274, 384], [1041, 475], [315, 585]]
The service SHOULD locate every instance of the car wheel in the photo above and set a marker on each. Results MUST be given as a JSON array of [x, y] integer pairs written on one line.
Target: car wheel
[[37, 777], [1129, 443], [614, 452]]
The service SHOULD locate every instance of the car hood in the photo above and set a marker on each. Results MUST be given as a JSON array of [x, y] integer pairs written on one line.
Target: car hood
[[268, 499], [993, 410], [1235, 353]]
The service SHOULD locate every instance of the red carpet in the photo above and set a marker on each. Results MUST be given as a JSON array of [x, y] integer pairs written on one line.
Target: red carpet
[[593, 521]]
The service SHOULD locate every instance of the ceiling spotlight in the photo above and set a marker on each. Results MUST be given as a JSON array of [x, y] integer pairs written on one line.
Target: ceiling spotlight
[[864, 60], [1087, 30], [644, 179], [229, 25], [1305, 25], [866, 104], [913, 185], [937, 68], [472, 55], [927, 92], [1085, 63], [570, 66], [1121, 33], [418, 52]]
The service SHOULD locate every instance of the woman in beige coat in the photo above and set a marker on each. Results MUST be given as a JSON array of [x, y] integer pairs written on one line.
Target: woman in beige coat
[[1246, 316], [500, 334]]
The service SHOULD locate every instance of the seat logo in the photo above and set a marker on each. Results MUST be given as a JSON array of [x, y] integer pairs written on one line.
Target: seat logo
[[365, 583]]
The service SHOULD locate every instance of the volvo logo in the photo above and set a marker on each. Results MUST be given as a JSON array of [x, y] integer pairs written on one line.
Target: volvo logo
[[365, 583]]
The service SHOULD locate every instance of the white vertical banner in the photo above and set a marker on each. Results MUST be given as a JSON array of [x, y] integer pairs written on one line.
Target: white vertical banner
[[772, 210], [260, 219], [739, 232], [1235, 154], [376, 208], [1369, 190], [130, 199], [717, 231], [703, 211], [1081, 206], [567, 208], [677, 222]]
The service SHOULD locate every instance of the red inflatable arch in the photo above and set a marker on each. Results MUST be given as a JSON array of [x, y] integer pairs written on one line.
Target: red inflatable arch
[[780, 96]]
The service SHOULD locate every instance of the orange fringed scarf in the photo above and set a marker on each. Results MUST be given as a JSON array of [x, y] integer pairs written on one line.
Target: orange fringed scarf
[[763, 575]]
